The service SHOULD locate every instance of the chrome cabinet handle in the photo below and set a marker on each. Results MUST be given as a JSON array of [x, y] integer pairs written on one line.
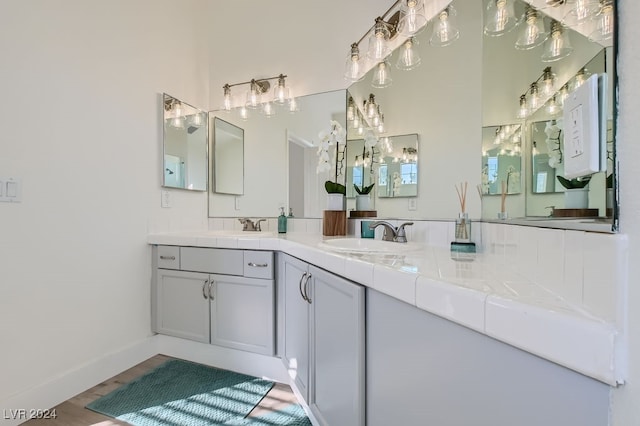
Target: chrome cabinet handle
[[306, 294], [168, 257], [300, 286], [258, 265], [211, 295], [203, 287]]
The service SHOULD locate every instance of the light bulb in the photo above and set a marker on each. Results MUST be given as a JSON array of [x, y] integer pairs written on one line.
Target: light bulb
[[557, 45], [381, 76], [532, 34], [280, 92], [226, 103], [351, 109], [444, 31], [500, 17], [378, 48], [522, 110], [581, 11], [548, 82], [253, 95], [412, 17], [534, 98], [604, 22], [553, 107], [408, 57], [244, 113], [354, 67]]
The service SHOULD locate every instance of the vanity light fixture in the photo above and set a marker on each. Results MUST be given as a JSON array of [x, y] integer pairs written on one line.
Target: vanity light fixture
[[537, 94], [557, 46], [532, 33], [500, 17], [176, 112], [255, 98], [445, 29]]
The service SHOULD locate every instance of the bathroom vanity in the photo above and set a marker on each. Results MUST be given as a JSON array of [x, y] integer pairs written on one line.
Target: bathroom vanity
[[408, 337]]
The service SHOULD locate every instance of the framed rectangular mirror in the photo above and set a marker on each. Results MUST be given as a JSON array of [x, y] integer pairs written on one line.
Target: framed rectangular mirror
[[228, 158], [185, 145]]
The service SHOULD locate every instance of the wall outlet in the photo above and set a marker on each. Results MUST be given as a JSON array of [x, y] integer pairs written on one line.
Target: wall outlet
[[413, 204], [166, 199]]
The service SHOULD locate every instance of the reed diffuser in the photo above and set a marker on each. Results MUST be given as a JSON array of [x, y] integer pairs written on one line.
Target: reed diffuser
[[503, 202], [463, 225]]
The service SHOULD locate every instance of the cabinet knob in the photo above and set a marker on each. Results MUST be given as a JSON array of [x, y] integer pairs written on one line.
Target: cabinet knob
[[168, 257]]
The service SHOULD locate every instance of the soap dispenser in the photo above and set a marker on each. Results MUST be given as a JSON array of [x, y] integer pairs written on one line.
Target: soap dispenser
[[282, 222]]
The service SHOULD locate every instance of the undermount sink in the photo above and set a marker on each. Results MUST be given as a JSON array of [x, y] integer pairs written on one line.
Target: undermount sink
[[366, 245]]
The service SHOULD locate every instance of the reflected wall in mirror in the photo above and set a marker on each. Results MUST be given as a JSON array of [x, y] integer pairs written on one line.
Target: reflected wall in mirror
[[228, 158], [280, 160], [185, 145], [501, 159], [508, 77]]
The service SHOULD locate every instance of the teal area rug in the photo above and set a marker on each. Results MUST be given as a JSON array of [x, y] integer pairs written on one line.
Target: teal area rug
[[182, 393]]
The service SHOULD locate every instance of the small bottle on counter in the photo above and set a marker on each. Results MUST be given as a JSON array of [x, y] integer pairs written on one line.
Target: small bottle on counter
[[282, 222], [290, 212]]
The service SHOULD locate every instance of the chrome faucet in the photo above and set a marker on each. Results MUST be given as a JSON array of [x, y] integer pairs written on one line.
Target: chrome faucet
[[391, 233], [249, 225]]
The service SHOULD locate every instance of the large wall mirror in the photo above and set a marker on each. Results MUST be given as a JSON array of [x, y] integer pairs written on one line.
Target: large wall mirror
[[185, 145], [514, 72], [280, 159], [228, 158]]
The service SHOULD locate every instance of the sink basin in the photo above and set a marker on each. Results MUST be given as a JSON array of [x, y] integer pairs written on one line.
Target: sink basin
[[366, 245]]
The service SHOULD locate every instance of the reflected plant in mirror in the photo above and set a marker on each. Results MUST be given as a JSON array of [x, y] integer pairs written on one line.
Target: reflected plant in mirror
[[185, 145]]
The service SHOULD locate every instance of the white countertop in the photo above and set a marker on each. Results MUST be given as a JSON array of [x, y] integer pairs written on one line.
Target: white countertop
[[483, 294]]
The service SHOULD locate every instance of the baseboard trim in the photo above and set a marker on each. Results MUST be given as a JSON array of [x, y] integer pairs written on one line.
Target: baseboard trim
[[70, 383]]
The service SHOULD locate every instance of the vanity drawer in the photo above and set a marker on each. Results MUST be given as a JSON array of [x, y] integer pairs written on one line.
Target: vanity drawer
[[168, 257], [258, 264], [218, 261]]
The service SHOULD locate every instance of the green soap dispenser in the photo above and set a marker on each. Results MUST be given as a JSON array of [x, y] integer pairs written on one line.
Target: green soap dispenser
[[282, 222]]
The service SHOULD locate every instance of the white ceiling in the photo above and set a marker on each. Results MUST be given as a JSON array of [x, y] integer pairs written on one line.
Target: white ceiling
[[306, 40]]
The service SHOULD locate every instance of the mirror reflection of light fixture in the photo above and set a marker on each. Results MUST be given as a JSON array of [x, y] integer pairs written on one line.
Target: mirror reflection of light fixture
[[354, 68], [522, 110], [445, 30], [408, 56], [351, 109], [381, 76], [548, 82], [604, 22], [255, 98], [409, 155], [533, 101], [553, 106], [196, 120], [500, 17], [557, 46], [532, 33], [581, 76], [412, 17], [580, 11], [370, 106]]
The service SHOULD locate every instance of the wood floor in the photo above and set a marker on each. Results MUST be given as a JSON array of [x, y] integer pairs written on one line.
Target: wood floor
[[73, 413]]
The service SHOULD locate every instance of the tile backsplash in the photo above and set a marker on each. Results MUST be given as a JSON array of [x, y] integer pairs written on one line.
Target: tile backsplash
[[586, 269]]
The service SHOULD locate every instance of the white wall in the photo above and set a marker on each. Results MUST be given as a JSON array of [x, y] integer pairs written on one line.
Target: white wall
[[625, 407], [81, 125]]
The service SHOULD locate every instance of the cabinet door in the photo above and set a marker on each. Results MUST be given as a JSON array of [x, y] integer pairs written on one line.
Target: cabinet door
[[296, 323], [338, 375], [182, 304], [242, 313]]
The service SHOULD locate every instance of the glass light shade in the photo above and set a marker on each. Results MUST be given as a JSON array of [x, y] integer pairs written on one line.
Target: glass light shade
[[244, 113], [268, 109], [378, 46], [370, 107], [254, 96], [412, 17], [381, 128], [408, 56], [557, 45], [580, 78], [177, 122], [604, 22], [293, 105], [356, 121], [177, 109], [351, 110], [227, 103], [548, 83], [533, 101], [280, 91], [522, 109], [580, 11], [197, 120], [445, 30], [500, 17], [381, 76], [354, 66], [563, 94], [532, 33], [553, 107]]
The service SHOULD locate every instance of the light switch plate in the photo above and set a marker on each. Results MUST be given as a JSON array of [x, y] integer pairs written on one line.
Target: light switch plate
[[166, 199], [413, 204], [10, 190]]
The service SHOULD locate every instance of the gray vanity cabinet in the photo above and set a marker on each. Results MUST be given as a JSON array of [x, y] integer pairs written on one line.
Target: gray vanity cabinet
[[324, 345], [233, 308]]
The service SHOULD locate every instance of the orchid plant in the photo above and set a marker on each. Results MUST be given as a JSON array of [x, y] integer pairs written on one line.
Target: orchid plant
[[332, 139]]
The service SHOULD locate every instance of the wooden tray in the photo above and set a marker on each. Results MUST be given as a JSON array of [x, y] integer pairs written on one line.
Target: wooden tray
[[575, 213], [362, 213]]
